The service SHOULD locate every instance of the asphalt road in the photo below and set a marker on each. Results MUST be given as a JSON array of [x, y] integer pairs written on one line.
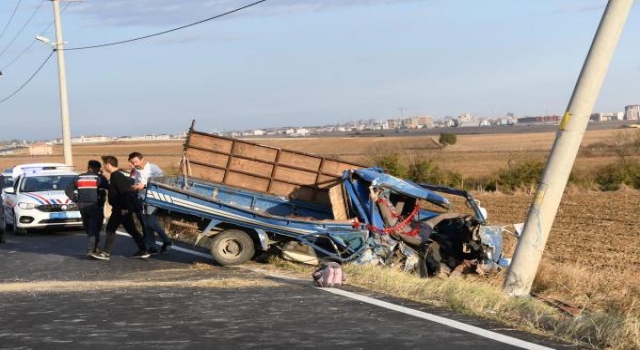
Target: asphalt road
[[54, 298]]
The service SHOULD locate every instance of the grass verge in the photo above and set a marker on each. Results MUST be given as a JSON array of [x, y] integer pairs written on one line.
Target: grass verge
[[483, 297]]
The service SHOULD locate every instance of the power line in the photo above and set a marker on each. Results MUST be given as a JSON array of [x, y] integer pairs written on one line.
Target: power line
[[10, 19], [122, 42], [33, 41], [166, 31], [30, 78], [21, 29]]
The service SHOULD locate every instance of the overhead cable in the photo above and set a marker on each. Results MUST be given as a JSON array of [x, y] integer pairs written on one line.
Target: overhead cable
[[30, 78], [33, 41], [10, 19], [21, 29], [166, 31]]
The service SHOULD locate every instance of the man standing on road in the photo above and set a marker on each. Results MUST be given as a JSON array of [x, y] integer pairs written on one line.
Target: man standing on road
[[151, 224], [1, 210], [89, 192], [121, 213], [137, 204]]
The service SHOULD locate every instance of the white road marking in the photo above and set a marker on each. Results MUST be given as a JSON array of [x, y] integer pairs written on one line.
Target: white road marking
[[398, 308], [174, 247], [438, 319]]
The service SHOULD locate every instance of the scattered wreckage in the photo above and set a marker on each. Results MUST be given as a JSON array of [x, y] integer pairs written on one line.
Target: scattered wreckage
[[247, 197]]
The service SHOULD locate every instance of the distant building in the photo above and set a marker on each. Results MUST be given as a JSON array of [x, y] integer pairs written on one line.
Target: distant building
[[632, 112], [410, 123], [546, 119], [301, 132], [465, 120], [162, 137], [425, 121], [40, 149], [90, 139], [394, 123], [605, 117], [7, 151]]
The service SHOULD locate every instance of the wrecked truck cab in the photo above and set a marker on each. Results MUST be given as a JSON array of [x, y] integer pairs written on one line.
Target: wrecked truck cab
[[420, 227]]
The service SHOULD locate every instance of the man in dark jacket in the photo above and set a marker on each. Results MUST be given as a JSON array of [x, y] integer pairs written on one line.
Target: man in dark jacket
[[121, 211], [89, 192]]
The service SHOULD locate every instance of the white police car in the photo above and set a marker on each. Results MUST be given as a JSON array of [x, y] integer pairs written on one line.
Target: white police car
[[37, 198]]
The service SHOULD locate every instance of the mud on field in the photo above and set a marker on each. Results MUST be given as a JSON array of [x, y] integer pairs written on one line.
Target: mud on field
[[590, 227]]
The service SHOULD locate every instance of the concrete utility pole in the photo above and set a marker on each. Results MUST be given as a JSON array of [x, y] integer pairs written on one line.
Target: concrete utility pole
[[62, 77], [544, 207]]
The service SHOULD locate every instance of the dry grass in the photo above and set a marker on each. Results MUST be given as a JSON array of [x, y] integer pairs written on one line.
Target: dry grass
[[483, 296], [79, 286], [608, 297]]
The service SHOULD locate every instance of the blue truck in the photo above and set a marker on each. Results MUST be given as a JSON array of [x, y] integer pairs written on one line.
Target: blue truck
[[246, 197]]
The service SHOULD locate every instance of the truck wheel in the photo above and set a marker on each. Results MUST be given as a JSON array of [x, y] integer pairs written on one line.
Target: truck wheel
[[232, 247]]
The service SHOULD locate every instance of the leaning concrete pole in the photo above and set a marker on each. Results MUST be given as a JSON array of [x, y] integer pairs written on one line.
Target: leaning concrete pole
[[546, 201]]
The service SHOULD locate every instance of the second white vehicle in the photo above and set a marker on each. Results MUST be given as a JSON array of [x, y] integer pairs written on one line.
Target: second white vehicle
[[37, 198]]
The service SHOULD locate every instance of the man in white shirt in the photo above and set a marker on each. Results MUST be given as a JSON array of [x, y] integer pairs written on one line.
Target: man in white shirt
[[151, 225]]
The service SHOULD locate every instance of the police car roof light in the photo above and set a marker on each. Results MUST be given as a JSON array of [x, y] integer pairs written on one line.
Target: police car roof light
[[40, 167]]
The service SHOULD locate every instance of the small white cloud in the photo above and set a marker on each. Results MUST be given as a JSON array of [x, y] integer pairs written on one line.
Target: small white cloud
[[583, 6], [162, 13]]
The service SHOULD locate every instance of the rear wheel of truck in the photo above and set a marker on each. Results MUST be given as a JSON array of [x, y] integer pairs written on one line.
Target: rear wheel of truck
[[232, 247]]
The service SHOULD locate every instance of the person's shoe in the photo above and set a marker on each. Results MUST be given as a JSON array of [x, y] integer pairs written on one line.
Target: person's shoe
[[103, 252], [141, 254], [98, 255], [153, 251], [165, 247]]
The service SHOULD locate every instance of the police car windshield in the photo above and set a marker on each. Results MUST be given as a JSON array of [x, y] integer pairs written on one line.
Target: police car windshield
[[46, 183]]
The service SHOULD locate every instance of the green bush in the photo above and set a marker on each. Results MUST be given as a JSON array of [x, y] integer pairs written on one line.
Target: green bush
[[392, 164], [424, 170], [419, 170], [519, 176], [448, 139], [611, 176]]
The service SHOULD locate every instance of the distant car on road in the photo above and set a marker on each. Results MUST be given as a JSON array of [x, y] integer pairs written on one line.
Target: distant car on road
[[35, 198]]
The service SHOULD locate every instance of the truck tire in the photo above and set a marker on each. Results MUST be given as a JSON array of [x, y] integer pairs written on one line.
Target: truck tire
[[232, 247]]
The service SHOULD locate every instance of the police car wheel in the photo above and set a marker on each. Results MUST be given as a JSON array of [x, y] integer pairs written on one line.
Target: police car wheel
[[15, 229]]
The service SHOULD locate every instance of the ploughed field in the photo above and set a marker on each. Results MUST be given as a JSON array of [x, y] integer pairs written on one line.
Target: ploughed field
[[592, 229]]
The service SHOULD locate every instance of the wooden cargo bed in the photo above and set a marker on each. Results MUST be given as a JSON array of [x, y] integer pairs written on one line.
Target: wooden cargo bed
[[257, 167]]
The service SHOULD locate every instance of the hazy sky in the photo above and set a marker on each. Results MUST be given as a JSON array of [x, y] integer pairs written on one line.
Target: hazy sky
[[301, 62]]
